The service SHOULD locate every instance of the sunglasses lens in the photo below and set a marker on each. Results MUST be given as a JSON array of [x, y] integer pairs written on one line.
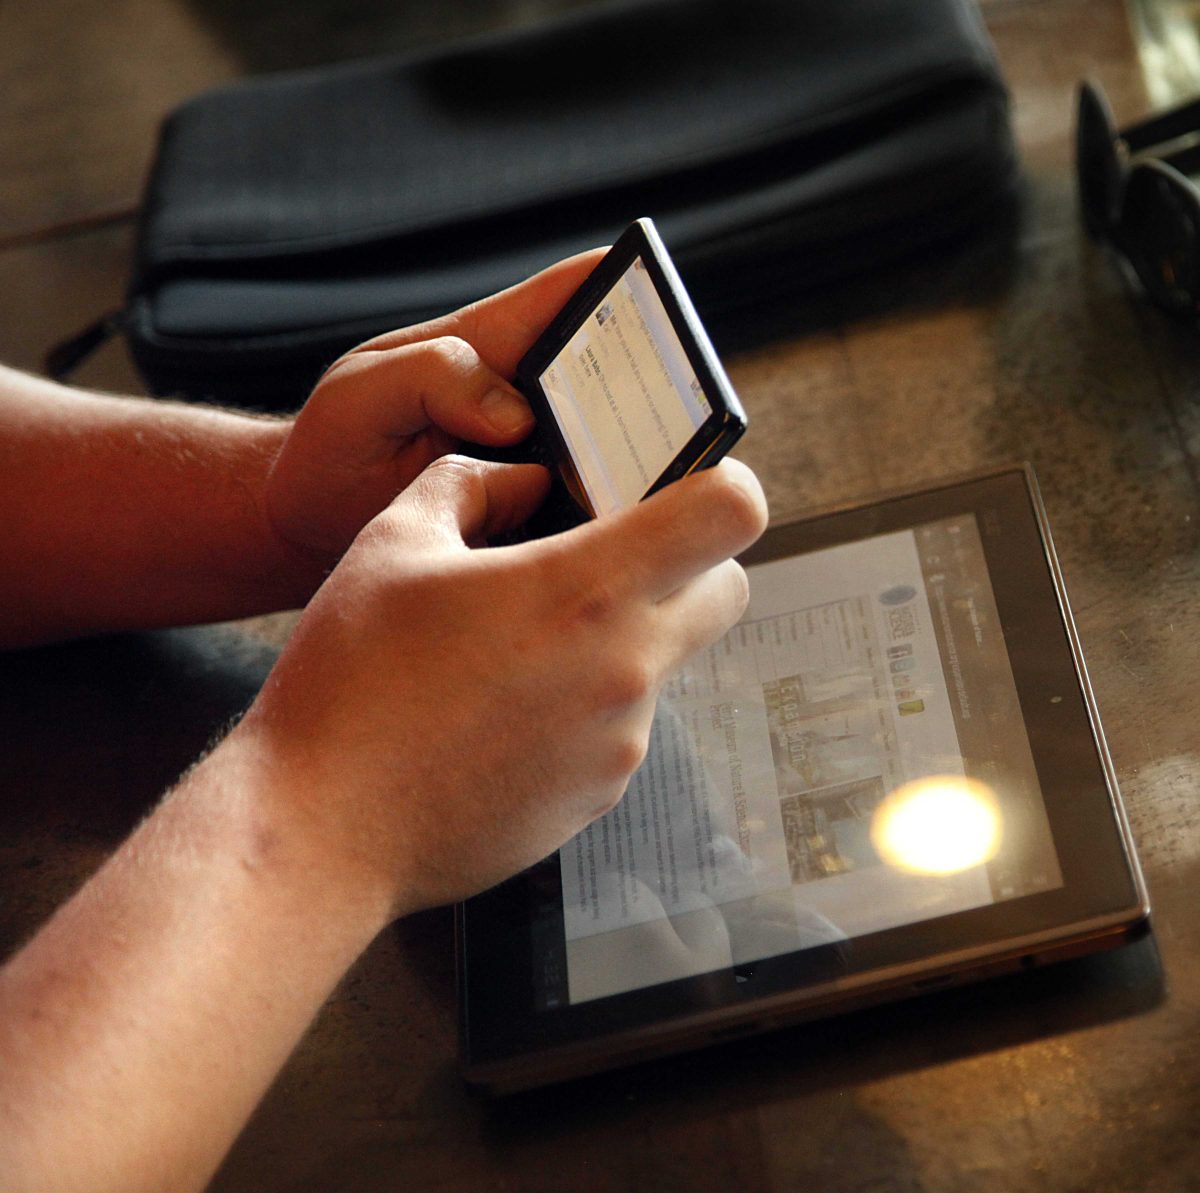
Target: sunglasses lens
[[1160, 235], [1098, 171]]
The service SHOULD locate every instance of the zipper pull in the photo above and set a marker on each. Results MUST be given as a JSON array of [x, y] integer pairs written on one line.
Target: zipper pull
[[67, 355]]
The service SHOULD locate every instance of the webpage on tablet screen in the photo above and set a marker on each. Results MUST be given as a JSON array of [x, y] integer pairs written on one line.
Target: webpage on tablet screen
[[786, 799]]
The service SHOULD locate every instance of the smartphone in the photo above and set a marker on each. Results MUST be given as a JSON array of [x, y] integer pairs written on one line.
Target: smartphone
[[627, 390]]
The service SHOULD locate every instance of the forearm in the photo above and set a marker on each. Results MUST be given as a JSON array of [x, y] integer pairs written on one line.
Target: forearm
[[141, 1026], [121, 513]]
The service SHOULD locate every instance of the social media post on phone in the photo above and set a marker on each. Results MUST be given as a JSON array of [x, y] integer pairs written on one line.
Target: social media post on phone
[[624, 393]]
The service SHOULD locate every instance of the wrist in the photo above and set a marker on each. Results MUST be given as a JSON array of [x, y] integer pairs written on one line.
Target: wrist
[[172, 987], [290, 571], [291, 832]]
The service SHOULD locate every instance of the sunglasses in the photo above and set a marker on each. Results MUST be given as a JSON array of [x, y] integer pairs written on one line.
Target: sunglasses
[[1135, 194]]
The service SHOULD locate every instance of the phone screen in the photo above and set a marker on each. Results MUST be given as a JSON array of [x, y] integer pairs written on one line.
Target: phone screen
[[626, 398]]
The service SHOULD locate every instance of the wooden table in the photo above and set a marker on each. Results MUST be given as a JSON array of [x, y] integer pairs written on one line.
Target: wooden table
[[1031, 346]]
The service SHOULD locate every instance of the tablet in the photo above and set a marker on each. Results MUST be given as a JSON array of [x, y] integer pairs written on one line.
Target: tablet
[[887, 778]]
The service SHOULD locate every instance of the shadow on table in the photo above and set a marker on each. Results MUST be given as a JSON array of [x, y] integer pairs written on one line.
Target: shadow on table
[[849, 1050], [95, 732], [97, 729]]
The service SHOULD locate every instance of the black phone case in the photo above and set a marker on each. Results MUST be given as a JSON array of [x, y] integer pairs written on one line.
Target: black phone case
[[779, 144]]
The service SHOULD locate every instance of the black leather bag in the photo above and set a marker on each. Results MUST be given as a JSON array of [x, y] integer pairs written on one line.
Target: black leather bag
[[778, 144]]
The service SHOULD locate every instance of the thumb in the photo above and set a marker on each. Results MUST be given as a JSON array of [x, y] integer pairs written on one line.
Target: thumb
[[463, 501], [383, 394]]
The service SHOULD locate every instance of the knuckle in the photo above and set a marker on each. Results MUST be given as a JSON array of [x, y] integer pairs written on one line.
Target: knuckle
[[596, 603], [627, 684], [609, 797], [341, 371], [625, 754], [455, 469], [739, 588], [738, 506], [380, 531], [629, 754], [380, 537], [450, 475], [449, 353], [449, 482]]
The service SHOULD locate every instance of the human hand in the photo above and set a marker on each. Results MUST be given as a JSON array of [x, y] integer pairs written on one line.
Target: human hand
[[443, 716], [391, 406]]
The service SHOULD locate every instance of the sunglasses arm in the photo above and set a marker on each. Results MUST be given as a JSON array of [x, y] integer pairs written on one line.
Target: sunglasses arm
[[1166, 126]]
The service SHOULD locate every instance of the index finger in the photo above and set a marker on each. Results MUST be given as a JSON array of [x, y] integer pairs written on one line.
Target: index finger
[[503, 326], [459, 501]]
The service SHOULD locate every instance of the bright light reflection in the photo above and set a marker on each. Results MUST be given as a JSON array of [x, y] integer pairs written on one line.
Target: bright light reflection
[[940, 824]]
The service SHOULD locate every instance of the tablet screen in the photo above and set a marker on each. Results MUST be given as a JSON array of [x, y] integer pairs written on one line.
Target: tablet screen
[[852, 757], [624, 394]]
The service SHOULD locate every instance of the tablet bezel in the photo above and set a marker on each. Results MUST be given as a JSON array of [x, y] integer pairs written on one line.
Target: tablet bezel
[[508, 1044], [727, 420]]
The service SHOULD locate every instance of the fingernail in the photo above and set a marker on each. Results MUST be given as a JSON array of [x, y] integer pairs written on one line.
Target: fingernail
[[505, 410]]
